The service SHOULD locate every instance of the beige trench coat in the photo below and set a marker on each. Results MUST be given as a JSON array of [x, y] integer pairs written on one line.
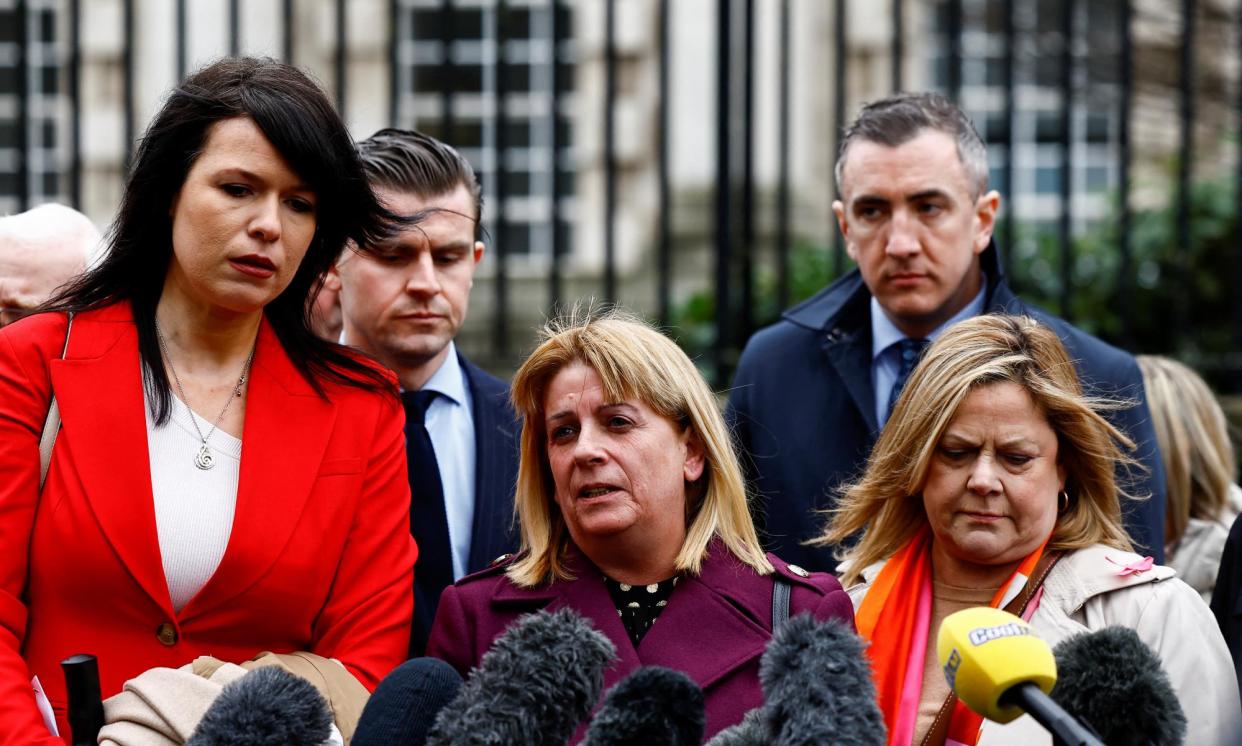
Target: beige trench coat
[[1085, 592]]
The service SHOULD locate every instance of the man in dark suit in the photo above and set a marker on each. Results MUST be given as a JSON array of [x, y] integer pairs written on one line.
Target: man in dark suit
[[813, 390], [403, 303]]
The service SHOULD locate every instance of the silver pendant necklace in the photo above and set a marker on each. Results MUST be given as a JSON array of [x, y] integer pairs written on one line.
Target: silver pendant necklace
[[204, 459]]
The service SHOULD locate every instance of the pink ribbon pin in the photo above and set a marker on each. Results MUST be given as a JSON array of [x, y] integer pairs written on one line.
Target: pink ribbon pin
[[1134, 568]]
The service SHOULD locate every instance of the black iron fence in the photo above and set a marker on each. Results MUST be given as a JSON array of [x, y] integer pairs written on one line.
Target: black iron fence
[[482, 61]]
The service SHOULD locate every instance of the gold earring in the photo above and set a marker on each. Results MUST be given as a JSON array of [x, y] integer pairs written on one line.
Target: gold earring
[[1064, 500]]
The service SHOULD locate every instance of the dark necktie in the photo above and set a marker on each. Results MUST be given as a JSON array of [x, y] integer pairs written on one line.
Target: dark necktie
[[908, 353], [428, 522]]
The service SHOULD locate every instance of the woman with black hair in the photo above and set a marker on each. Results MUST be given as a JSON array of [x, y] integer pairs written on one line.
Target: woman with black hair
[[222, 482]]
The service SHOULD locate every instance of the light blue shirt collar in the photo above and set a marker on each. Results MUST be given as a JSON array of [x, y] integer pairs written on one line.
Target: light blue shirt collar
[[885, 334], [884, 337], [449, 381]]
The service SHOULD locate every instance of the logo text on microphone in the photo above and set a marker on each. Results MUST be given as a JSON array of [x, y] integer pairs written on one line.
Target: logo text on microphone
[[980, 635]]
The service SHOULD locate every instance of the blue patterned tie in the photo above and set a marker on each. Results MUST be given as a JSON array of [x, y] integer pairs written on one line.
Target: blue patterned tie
[[428, 520], [908, 353]]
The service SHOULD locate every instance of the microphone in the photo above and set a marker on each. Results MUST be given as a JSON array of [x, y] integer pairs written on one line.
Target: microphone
[[651, 705], [267, 707], [750, 732], [1000, 669], [404, 706], [1112, 680], [536, 683], [817, 688], [85, 705]]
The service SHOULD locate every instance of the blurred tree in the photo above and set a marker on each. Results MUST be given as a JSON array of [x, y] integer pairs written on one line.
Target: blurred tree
[[693, 322], [1142, 321]]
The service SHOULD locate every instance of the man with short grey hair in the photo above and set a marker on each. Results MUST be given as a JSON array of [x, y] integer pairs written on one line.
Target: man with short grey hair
[[813, 390]]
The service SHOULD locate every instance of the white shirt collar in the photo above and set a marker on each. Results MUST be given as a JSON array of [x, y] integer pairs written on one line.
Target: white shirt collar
[[885, 334]]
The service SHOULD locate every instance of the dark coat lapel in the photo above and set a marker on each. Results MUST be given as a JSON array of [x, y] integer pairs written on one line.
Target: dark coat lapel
[[1002, 300], [286, 431], [842, 312], [849, 354], [99, 388], [495, 454]]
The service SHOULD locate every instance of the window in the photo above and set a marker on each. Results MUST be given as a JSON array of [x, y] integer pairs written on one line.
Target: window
[[1037, 120], [450, 77], [40, 181]]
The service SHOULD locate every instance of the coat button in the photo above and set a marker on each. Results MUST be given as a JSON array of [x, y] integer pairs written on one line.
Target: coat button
[[166, 633], [798, 571]]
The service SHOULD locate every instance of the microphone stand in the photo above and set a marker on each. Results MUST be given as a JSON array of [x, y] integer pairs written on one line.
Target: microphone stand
[[1065, 730]]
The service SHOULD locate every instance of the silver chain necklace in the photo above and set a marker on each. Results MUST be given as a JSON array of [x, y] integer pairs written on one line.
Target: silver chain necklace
[[204, 459]]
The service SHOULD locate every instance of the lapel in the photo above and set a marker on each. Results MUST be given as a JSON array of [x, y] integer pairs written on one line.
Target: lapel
[[284, 437], [999, 297], [842, 312], [849, 353], [495, 447], [99, 388], [1002, 300], [586, 595], [703, 631]]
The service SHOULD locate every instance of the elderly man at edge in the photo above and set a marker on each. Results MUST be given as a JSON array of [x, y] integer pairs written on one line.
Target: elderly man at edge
[[40, 250]]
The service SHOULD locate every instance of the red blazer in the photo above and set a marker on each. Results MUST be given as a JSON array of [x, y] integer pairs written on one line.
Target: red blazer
[[320, 556], [714, 629]]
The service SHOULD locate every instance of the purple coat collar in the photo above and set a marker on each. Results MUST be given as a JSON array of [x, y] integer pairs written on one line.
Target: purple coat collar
[[714, 622]]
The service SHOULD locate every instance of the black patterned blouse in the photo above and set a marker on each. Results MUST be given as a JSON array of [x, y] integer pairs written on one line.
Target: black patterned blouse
[[639, 605]]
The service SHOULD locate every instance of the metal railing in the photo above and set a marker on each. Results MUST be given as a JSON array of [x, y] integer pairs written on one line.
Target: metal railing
[[736, 213]]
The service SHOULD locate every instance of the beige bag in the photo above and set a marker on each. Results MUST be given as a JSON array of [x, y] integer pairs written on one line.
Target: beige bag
[[52, 425]]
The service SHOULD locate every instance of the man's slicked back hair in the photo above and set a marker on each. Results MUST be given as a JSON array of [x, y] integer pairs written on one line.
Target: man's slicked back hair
[[409, 161], [898, 119]]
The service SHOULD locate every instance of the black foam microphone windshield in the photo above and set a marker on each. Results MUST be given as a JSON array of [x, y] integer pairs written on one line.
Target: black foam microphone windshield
[[817, 686], [536, 683], [267, 707], [652, 705], [404, 706], [1111, 679]]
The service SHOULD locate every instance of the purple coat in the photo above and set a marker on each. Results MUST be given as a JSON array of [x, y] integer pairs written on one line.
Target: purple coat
[[714, 629]]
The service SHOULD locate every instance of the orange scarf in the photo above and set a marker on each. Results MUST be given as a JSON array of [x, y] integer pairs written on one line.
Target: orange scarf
[[901, 596]]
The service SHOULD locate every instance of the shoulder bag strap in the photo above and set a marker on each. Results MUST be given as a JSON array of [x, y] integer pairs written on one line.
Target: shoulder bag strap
[[52, 425], [781, 590]]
